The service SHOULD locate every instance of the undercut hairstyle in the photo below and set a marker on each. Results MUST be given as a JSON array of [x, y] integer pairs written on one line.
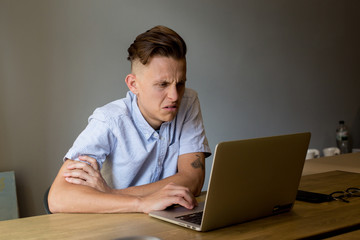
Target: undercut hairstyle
[[158, 41]]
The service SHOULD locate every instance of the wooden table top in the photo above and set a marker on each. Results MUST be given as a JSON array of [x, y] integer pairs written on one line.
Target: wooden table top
[[349, 162], [306, 219]]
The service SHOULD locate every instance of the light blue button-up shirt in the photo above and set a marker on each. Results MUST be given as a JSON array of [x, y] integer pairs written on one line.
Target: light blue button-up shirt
[[129, 151]]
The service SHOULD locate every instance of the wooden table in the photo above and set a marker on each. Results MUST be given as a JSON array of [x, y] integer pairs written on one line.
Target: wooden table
[[346, 162], [305, 220]]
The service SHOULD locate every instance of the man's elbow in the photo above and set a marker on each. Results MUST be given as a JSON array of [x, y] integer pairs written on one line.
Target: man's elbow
[[198, 190], [54, 203], [58, 201], [197, 186]]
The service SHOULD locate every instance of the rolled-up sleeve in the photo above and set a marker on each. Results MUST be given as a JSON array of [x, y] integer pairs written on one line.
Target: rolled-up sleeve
[[96, 141], [193, 138]]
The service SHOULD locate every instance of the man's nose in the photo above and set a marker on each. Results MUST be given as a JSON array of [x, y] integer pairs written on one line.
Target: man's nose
[[173, 94]]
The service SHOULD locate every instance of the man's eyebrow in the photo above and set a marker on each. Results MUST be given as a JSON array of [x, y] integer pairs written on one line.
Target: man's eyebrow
[[163, 80]]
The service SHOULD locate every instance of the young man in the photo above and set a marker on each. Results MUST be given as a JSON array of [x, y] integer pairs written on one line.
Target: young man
[[153, 140]]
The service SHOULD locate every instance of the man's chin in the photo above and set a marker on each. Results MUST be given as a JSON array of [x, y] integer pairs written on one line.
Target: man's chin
[[169, 118]]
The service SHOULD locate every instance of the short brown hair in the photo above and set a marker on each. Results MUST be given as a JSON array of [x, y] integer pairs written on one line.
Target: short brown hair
[[158, 41]]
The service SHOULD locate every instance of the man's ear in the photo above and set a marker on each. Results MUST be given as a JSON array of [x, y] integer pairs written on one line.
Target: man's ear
[[130, 81]]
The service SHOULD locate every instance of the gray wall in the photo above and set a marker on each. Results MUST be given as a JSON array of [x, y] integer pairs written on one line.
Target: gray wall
[[261, 68]]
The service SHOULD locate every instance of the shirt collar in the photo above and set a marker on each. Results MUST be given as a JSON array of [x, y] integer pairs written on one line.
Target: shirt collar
[[140, 121]]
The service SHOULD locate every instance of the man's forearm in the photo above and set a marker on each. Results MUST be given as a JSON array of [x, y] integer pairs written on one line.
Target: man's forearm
[[191, 174], [76, 190], [194, 184], [67, 197], [93, 202]]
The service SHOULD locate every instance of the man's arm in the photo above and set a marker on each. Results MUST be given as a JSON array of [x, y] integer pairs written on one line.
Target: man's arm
[[65, 196], [191, 174]]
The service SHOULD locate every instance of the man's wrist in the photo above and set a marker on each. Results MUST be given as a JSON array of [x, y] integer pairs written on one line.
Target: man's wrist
[[138, 201]]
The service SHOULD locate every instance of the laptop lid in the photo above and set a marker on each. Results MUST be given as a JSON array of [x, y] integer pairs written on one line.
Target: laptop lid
[[249, 179]]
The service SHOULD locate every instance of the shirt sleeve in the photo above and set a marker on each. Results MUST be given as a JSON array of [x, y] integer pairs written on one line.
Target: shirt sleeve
[[96, 141], [193, 138]]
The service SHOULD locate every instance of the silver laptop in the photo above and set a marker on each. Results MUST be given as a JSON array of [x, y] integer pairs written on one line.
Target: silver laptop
[[249, 179]]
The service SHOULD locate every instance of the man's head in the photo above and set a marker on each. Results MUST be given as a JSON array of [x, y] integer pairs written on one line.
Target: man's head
[[158, 41], [158, 74]]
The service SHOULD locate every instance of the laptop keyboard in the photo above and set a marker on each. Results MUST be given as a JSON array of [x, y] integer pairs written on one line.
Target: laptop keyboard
[[192, 218]]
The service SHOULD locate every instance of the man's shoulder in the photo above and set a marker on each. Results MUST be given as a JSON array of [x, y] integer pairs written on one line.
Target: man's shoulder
[[189, 92], [114, 110], [190, 95], [189, 100]]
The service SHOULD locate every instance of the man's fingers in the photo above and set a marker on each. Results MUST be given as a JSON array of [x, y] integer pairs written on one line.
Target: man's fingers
[[183, 202], [169, 195], [77, 164], [183, 194], [77, 174], [91, 161], [82, 166], [82, 173], [77, 181], [80, 178]]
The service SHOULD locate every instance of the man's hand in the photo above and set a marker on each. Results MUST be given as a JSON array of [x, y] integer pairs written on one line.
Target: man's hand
[[169, 195], [85, 174]]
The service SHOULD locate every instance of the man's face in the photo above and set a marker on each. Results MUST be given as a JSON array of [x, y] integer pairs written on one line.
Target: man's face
[[159, 86]]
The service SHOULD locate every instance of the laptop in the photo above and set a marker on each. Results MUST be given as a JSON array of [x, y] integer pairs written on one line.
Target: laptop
[[249, 179]]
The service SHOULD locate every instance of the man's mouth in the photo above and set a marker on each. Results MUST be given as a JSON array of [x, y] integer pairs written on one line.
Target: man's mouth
[[171, 107]]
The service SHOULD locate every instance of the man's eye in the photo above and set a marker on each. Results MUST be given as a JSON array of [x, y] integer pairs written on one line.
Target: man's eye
[[164, 84]]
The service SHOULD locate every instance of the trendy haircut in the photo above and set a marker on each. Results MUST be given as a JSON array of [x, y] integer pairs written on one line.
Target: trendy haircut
[[158, 41]]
